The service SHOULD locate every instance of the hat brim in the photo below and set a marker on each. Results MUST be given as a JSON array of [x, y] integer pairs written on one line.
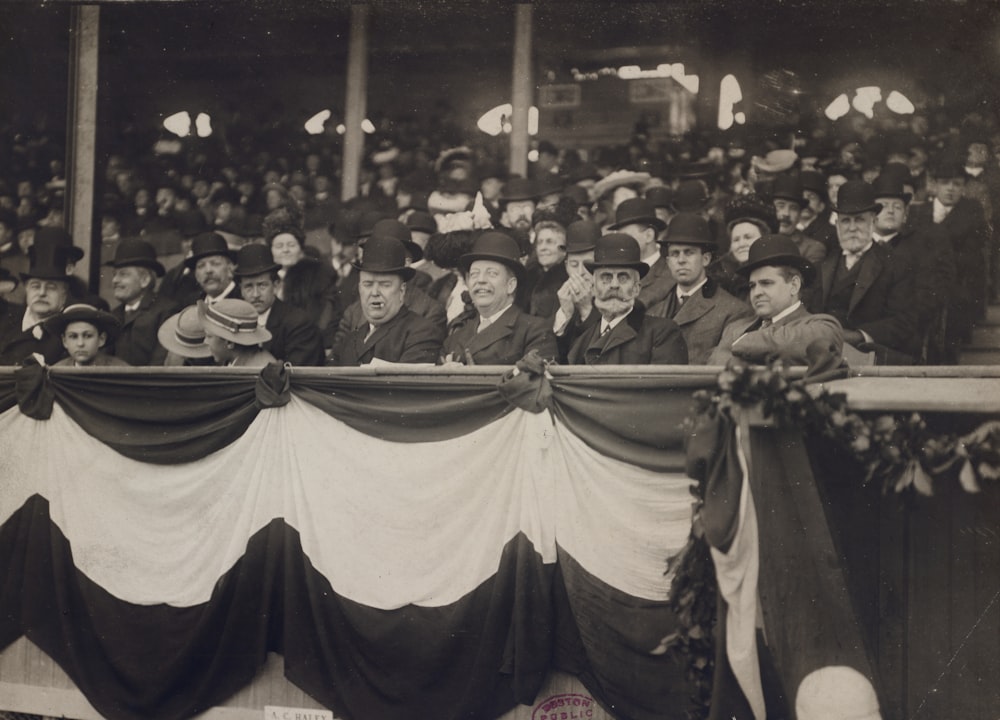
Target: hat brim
[[798, 262], [105, 322], [153, 265], [465, 262], [642, 267], [801, 201], [874, 207], [260, 270], [652, 221], [247, 339], [405, 272], [190, 262], [167, 335], [709, 245], [905, 197], [45, 275]]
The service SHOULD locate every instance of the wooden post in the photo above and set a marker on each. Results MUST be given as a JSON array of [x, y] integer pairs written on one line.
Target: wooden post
[[521, 90], [355, 105], [81, 132]]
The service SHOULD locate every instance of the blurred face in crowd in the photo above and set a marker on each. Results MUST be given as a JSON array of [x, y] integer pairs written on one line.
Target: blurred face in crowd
[[491, 285], [788, 212], [214, 273], [128, 283], [200, 189], [141, 198], [687, 263], [854, 231], [773, 289], [381, 296], [615, 290], [550, 246], [260, 291], [287, 249], [575, 263], [892, 217], [949, 190], [83, 341], [165, 199], [833, 184], [518, 214], [491, 189], [741, 237], [978, 155], [814, 205], [45, 297], [25, 239], [274, 199]]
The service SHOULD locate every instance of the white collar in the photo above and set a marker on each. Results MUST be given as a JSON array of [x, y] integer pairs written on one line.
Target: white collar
[[787, 311], [209, 300], [490, 319], [882, 239], [614, 322], [860, 252], [262, 318], [652, 257], [692, 291]]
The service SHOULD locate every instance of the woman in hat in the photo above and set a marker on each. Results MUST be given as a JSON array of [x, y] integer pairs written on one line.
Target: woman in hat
[[748, 218], [233, 335], [85, 331]]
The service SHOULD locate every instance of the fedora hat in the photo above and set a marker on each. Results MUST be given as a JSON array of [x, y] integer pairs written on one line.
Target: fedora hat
[[134, 252], [496, 246], [385, 254], [890, 185], [778, 251], [208, 244], [582, 236], [691, 196], [856, 196], [788, 187], [639, 211], [182, 334], [7, 281], [519, 188], [47, 261], [617, 250], [233, 320], [46, 235], [105, 322], [255, 260], [689, 229], [395, 229]]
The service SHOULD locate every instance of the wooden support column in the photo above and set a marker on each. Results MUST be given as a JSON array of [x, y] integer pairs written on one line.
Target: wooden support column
[[355, 104], [522, 88], [81, 133]]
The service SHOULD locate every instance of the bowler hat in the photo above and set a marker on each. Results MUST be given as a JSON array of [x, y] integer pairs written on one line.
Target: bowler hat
[[639, 211], [890, 185], [778, 251], [582, 236], [689, 229], [55, 235], [233, 320], [691, 196], [255, 260], [788, 187], [7, 281], [396, 229], [496, 246], [183, 334], [813, 180], [385, 254], [519, 188], [205, 245], [856, 196], [134, 252], [947, 167], [660, 196], [105, 322], [47, 262], [421, 222], [617, 250]]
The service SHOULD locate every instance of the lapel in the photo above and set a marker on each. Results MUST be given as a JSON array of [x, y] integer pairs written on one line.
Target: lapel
[[797, 315], [871, 266], [827, 270], [623, 332], [144, 303], [367, 346], [694, 307], [502, 328], [655, 272]]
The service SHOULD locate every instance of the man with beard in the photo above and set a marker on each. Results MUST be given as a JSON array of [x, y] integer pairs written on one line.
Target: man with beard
[[517, 206], [212, 263], [624, 334], [789, 200]]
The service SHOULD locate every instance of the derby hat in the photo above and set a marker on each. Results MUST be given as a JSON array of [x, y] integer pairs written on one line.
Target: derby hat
[[550, 184], [689, 229], [691, 196], [639, 211], [582, 236], [105, 322], [385, 254], [226, 194], [395, 229], [519, 188], [778, 251], [255, 260], [578, 194], [190, 222], [419, 221], [134, 252], [617, 250], [233, 320], [206, 245], [788, 187], [55, 235], [182, 334], [660, 196], [497, 247], [890, 185], [48, 262], [856, 196]]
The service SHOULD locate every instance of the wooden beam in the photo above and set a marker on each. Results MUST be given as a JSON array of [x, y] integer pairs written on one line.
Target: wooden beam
[[355, 104], [521, 89]]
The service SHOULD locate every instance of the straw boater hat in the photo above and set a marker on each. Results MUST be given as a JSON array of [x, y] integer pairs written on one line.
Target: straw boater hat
[[183, 334], [103, 321], [618, 250], [836, 692], [232, 320], [778, 251]]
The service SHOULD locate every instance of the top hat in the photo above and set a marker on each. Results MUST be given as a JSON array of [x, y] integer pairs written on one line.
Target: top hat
[[890, 185], [134, 252], [233, 320], [660, 196], [617, 250], [182, 334], [778, 251], [253, 260], [582, 236], [856, 196], [55, 235], [395, 229], [421, 222], [496, 246], [691, 196], [205, 245], [47, 261], [519, 188], [637, 210], [385, 254], [788, 187], [105, 322], [690, 229]]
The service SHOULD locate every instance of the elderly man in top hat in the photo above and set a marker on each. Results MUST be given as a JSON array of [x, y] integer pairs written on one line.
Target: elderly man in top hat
[[140, 311], [777, 274], [788, 197], [637, 218], [295, 338], [869, 293], [212, 263], [500, 333], [624, 333], [696, 303], [392, 332]]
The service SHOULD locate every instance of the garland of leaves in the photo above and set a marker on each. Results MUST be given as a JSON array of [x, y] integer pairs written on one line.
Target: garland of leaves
[[899, 451]]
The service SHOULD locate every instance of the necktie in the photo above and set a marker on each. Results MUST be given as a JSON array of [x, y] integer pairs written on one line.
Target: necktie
[[371, 331], [606, 330]]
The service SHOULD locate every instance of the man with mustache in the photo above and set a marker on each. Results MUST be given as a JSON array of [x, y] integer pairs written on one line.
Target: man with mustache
[[789, 200], [212, 263]]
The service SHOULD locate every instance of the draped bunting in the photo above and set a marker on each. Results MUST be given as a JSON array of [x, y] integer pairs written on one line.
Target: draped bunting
[[413, 546]]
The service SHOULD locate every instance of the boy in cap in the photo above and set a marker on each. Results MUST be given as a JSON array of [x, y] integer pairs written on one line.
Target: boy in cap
[[85, 331]]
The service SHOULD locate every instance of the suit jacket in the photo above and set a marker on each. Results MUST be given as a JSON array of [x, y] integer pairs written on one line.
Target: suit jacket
[[723, 272], [544, 301], [928, 257], [511, 337], [812, 250], [882, 301], [966, 228], [180, 286], [102, 359], [656, 284], [19, 344], [137, 343], [703, 317], [639, 339], [415, 299], [406, 338], [294, 339], [790, 337]]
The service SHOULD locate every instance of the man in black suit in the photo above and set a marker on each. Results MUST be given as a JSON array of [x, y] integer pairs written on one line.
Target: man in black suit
[[46, 290], [212, 263], [294, 339]]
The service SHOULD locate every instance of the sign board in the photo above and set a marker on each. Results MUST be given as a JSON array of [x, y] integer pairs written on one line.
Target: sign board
[[277, 712], [559, 96], [650, 90]]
